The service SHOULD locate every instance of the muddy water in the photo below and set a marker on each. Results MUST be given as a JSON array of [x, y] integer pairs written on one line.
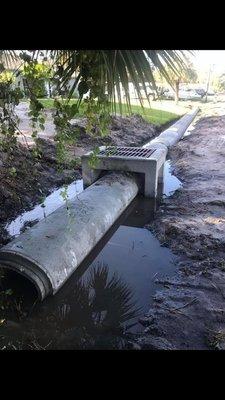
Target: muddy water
[[189, 130], [100, 305], [41, 211]]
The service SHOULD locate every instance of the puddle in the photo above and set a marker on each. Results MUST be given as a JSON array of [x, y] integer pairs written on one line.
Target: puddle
[[135, 255], [52, 202], [171, 182], [100, 305], [188, 132]]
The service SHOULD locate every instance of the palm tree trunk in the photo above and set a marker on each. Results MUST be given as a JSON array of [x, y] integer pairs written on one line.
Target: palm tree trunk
[[177, 83], [49, 89]]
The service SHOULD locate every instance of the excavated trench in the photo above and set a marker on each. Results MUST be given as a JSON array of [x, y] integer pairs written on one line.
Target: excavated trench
[[121, 269], [102, 303]]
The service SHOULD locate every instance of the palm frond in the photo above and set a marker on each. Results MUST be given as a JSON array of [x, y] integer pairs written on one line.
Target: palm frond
[[115, 69], [111, 70], [112, 297], [9, 58]]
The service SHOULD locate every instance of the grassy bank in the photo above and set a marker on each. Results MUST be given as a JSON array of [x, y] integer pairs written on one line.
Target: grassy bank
[[157, 117]]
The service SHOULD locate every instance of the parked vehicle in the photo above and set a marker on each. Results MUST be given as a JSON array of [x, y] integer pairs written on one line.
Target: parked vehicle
[[184, 94], [189, 94]]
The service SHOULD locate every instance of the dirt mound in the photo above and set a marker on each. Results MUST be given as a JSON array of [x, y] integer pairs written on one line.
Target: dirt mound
[[123, 131], [26, 180]]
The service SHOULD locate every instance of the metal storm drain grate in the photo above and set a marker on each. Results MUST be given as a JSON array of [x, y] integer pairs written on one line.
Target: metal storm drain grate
[[135, 152]]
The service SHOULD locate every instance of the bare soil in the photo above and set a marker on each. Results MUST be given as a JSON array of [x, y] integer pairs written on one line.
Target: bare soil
[[188, 311]]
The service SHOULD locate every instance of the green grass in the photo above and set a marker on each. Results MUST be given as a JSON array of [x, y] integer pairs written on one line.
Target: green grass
[[157, 117]]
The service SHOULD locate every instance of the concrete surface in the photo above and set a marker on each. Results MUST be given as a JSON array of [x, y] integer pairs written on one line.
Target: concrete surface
[[174, 133]]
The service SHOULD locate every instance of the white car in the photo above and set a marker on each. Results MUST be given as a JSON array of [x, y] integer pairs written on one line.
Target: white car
[[189, 94], [184, 94]]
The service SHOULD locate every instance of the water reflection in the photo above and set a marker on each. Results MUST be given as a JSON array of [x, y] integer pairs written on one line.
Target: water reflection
[[98, 306], [97, 316], [91, 316], [41, 211]]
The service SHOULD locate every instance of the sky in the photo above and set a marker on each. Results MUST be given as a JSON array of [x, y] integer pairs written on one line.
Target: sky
[[204, 58]]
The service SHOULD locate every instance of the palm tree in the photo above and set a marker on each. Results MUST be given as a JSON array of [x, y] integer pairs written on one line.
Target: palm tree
[[112, 70], [102, 72]]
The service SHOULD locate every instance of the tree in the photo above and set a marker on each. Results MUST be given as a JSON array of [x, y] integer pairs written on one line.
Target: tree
[[102, 71], [98, 74], [185, 74]]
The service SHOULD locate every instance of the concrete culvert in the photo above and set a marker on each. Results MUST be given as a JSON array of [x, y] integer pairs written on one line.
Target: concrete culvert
[[50, 251], [53, 248]]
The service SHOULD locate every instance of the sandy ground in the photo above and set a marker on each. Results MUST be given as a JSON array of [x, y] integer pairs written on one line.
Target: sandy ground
[[189, 312]]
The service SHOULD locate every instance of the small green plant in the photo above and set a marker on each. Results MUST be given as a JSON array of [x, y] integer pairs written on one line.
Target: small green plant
[[7, 77], [93, 160], [75, 162], [12, 171], [65, 134], [64, 194]]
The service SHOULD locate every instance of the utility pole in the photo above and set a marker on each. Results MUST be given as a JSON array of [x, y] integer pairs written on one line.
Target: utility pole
[[207, 88]]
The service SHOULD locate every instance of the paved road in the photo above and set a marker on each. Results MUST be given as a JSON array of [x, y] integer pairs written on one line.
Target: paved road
[[22, 111]]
